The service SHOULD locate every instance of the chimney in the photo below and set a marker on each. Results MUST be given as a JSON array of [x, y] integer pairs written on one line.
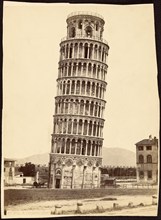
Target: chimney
[[150, 137]]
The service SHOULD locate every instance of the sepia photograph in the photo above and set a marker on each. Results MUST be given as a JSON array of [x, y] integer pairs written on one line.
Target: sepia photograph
[[80, 119]]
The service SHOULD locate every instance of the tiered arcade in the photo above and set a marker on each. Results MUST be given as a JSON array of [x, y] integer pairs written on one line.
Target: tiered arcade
[[77, 138]]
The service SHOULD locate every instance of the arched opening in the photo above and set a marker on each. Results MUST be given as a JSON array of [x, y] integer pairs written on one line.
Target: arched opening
[[73, 87], [93, 89], [79, 69], [69, 126], [68, 146], [68, 87], [76, 106], [90, 128], [141, 159], [80, 126], [65, 126], [66, 106], [75, 126], [71, 107], [93, 148], [87, 108], [74, 69], [73, 147], [80, 24], [94, 70], [97, 25], [86, 50], [84, 147], [69, 70], [149, 159], [89, 148], [83, 87], [71, 51], [63, 146], [79, 146], [81, 107], [72, 32], [88, 31], [91, 108], [94, 129], [78, 87], [85, 128], [88, 88]]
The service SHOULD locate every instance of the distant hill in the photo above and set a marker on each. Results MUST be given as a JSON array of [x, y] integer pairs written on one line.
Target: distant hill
[[118, 157], [111, 157]]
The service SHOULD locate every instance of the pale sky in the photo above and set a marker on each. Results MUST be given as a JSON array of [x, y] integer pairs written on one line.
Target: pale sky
[[31, 37]]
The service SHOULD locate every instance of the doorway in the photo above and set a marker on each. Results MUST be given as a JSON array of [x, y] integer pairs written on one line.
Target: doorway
[[57, 184]]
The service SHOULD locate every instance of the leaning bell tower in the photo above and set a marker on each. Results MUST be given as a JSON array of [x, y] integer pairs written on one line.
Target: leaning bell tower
[[77, 138]]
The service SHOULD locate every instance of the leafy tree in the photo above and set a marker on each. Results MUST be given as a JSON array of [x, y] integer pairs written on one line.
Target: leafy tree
[[28, 170]]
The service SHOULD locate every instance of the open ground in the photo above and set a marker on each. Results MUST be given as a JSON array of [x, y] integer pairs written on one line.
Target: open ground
[[39, 202]]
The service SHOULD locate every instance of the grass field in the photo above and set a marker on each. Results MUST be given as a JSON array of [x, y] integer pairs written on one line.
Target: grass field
[[21, 196]]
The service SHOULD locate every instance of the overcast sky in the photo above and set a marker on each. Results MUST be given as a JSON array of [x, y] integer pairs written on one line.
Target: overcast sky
[[31, 37]]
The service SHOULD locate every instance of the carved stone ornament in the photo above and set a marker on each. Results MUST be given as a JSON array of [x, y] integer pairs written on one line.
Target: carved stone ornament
[[79, 162], [69, 162]]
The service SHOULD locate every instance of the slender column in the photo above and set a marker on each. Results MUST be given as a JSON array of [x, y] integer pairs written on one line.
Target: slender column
[[88, 52], [53, 175], [91, 149], [95, 150], [77, 127], [76, 70], [71, 69], [81, 70], [87, 127], [80, 87], [76, 144], [75, 87], [86, 148], [85, 93], [81, 147], [73, 176], [83, 51], [72, 126], [65, 146], [70, 147], [92, 128], [62, 178], [82, 127], [78, 51], [96, 129]]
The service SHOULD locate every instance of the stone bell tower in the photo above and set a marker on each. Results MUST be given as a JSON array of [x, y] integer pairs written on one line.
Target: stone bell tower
[[77, 138]]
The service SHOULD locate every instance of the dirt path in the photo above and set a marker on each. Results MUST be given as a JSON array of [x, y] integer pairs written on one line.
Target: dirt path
[[44, 208]]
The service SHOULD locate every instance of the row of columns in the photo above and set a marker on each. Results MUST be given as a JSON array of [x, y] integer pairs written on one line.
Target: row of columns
[[79, 107], [77, 147], [79, 26], [82, 69], [83, 50], [83, 127], [81, 87]]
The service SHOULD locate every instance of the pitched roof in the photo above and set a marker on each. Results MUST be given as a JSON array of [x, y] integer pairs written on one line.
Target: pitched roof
[[8, 159], [148, 142]]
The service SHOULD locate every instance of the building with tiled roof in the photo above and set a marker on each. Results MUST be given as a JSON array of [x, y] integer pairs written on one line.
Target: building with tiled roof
[[147, 160]]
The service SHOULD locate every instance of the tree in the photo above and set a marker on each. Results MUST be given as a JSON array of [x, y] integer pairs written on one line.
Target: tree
[[28, 169]]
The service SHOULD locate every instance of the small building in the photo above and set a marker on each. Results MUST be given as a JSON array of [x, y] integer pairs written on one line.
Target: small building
[[147, 160], [23, 180], [9, 171], [107, 181]]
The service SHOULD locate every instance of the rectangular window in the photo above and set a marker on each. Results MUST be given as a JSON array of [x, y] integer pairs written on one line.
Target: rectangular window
[[149, 174], [140, 148], [24, 180], [141, 175], [148, 147]]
